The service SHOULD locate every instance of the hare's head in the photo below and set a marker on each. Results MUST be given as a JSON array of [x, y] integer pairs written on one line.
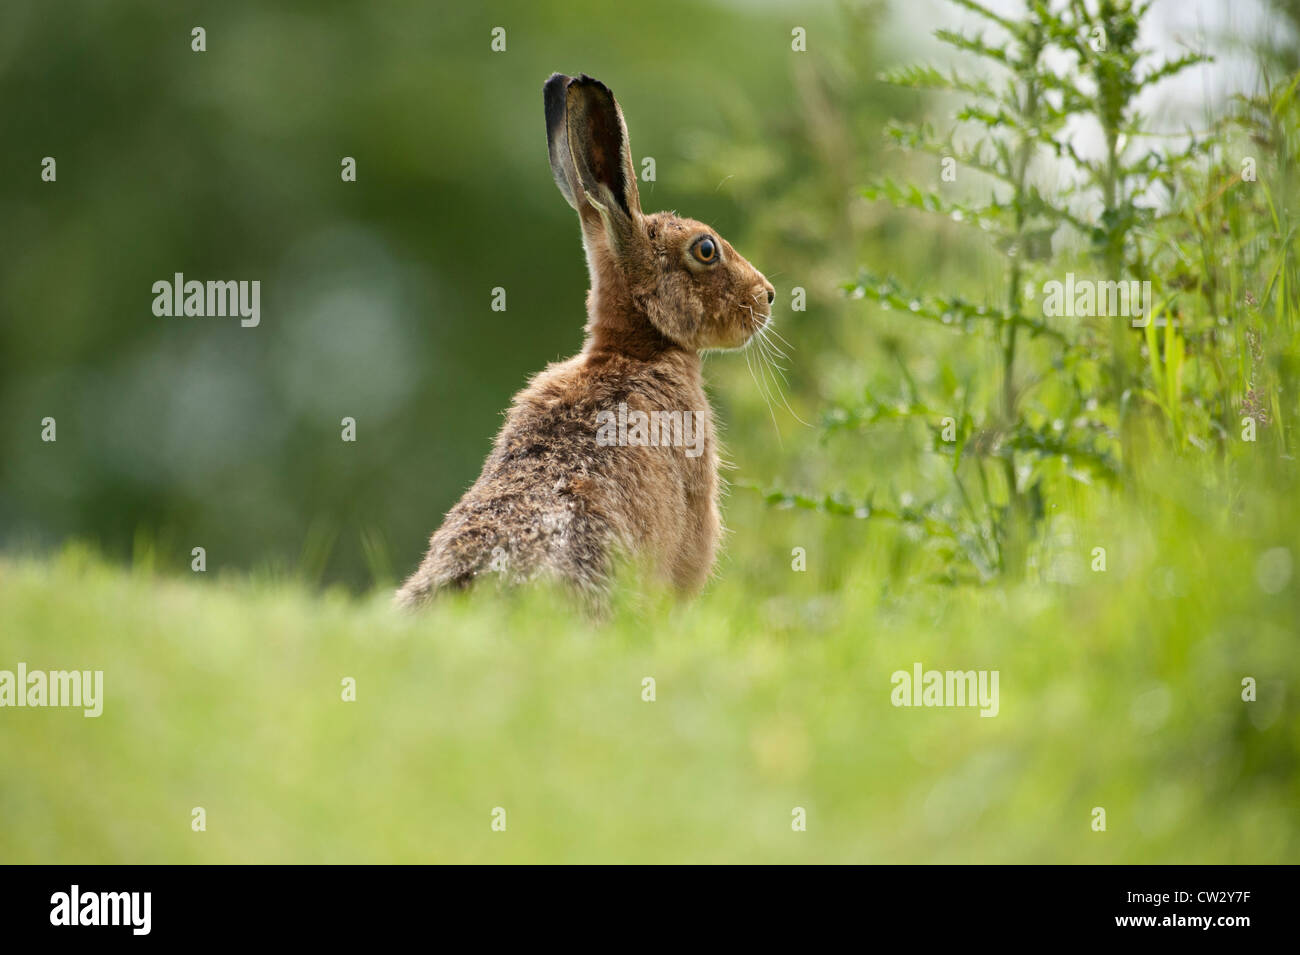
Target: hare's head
[[677, 274]]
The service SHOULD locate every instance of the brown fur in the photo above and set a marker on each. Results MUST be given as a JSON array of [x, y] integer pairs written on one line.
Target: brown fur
[[551, 500]]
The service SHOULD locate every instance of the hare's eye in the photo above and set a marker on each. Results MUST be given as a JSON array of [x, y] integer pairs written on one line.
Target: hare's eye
[[705, 250]]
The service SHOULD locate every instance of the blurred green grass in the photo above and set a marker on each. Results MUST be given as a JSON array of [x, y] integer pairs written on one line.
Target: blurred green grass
[[1121, 690]]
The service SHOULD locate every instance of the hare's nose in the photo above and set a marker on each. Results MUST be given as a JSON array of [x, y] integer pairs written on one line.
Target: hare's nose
[[771, 296]]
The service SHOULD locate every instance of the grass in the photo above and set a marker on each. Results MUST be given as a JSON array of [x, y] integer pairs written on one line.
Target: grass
[[1119, 689]]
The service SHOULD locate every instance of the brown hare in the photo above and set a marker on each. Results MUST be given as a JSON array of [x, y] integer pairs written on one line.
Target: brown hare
[[612, 453]]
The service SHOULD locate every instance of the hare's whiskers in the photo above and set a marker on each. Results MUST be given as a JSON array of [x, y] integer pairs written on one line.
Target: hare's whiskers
[[767, 354], [772, 346], [762, 390], [784, 341], [764, 345]]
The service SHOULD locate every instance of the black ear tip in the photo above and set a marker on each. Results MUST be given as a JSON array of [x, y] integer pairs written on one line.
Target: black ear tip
[[553, 100], [585, 80]]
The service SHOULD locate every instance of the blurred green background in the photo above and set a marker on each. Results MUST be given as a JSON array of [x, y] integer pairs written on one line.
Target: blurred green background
[[1120, 689], [376, 295]]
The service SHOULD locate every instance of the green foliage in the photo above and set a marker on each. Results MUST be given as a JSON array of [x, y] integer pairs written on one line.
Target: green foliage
[[1095, 398]]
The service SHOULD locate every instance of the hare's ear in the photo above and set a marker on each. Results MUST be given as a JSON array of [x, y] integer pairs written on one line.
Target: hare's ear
[[599, 169], [554, 96]]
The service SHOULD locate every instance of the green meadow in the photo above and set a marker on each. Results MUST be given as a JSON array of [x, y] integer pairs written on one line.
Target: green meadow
[[1119, 689]]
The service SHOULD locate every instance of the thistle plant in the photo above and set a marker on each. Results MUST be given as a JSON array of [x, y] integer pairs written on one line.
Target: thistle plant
[[1073, 61]]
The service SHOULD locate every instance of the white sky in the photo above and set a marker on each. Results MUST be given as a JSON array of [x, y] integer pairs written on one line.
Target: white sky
[[1173, 28]]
